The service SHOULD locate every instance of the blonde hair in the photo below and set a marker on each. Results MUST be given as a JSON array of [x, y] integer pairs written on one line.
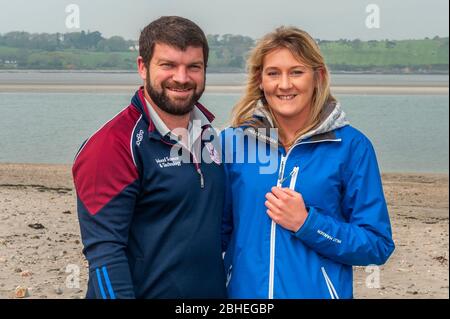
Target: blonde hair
[[304, 48]]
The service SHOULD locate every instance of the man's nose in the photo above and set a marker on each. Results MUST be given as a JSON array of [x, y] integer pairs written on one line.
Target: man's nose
[[181, 75]]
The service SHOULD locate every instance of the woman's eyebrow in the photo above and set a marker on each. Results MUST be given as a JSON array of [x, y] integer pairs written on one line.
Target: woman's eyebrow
[[299, 66]]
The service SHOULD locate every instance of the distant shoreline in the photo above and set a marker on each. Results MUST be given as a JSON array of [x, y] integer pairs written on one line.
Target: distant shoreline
[[220, 89]]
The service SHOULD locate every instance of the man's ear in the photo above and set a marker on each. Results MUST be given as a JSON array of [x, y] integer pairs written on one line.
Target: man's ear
[[142, 68]]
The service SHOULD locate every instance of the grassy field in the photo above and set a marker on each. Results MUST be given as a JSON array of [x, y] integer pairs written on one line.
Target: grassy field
[[67, 59], [407, 53], [428, 55]]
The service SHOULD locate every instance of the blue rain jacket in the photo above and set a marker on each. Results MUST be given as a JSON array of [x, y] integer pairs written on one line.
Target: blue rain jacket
[[335, 169]]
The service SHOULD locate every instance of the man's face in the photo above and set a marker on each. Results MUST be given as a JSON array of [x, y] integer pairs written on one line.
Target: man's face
[[175, 79]]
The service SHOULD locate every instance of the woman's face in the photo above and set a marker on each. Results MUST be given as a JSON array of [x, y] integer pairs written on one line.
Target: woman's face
[[288, 85]]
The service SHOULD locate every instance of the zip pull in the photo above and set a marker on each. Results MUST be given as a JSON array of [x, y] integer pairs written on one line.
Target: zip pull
[[202, 179], [281, 172], [293, 175], [290, 174]]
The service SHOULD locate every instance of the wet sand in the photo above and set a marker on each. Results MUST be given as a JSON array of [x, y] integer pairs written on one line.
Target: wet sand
[[40, 244]]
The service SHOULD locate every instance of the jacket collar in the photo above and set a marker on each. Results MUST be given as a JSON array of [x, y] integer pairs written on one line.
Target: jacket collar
[[332, 118]]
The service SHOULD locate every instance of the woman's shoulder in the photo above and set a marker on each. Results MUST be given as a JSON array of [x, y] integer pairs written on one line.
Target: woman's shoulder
[[351, 133], [354, 139]]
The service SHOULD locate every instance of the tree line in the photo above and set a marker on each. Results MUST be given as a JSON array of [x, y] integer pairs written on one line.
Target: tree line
[[228, 53], [61, 41]]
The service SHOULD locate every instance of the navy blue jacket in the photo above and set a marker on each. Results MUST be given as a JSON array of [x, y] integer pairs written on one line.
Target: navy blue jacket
[[149, 228]]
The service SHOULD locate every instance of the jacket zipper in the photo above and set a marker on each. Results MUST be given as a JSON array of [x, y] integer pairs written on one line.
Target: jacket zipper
[[330, 285], [230, 269], [273, 227], [197, 164]]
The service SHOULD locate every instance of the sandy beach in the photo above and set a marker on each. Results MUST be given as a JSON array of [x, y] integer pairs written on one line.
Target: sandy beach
[[41, 251]]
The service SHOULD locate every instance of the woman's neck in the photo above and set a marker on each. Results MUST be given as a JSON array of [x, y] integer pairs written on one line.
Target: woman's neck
[[289, 128]]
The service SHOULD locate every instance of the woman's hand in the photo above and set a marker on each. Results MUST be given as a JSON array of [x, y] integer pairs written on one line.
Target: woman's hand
[[286, 208]]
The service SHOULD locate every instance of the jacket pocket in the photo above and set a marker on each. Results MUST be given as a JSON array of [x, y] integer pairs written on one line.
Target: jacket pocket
[[329, 283]]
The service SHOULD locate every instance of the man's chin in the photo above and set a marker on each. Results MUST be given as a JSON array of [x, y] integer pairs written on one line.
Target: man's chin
[[180, 100], [179, 108]]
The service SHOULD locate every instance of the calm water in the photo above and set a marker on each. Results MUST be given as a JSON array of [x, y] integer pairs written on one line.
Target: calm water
[[410, 133], [132, 78]]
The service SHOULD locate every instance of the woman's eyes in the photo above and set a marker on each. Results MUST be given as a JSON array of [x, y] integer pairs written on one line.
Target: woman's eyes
[[297, 72], [292, 73]]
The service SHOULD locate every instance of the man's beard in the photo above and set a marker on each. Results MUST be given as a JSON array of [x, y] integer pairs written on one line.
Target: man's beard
[[169, 105]]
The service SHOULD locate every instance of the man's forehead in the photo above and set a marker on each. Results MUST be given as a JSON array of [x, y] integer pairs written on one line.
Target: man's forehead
[[164, 51]]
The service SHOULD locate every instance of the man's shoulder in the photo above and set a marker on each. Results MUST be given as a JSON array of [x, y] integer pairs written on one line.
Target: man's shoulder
[[118, 129], [122, 123], [106, 161], [112, 142]]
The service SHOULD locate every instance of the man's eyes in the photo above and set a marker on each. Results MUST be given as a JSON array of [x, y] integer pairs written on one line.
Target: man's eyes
[[171, 65], [195, 67]]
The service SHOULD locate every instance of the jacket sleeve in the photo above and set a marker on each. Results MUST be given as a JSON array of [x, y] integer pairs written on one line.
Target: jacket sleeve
[[227, 217], [365, 237], [107, 185]]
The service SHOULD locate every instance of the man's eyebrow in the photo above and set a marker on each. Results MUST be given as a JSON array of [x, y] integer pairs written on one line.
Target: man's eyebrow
[[159, 60], [197, 63], [162, 60]]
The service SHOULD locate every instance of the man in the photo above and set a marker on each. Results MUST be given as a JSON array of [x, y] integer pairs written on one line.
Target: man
[[150, 220]]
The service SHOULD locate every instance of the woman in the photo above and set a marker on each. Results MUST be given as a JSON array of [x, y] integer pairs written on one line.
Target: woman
[[297, 232]]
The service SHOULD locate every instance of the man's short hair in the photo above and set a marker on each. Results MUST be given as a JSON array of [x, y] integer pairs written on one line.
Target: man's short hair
[[174, 31]]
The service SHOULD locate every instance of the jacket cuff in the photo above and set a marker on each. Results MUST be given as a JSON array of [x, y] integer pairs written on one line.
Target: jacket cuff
[[309, 227]]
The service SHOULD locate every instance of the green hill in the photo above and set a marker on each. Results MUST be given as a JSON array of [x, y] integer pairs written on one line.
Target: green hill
[[406, 55], [228, 53]]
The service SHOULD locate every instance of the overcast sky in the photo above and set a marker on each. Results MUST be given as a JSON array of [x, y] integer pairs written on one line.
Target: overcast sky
[[323, 19]]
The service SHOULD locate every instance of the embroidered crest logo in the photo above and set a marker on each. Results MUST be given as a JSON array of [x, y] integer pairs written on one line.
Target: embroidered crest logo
[[139, 137], [213, 153]]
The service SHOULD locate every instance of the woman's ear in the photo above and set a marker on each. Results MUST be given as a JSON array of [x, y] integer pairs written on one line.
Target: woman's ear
[[320, 73], [319, 76]]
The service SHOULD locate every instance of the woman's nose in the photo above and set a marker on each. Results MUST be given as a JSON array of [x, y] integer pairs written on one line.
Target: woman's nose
[[285, 82]]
